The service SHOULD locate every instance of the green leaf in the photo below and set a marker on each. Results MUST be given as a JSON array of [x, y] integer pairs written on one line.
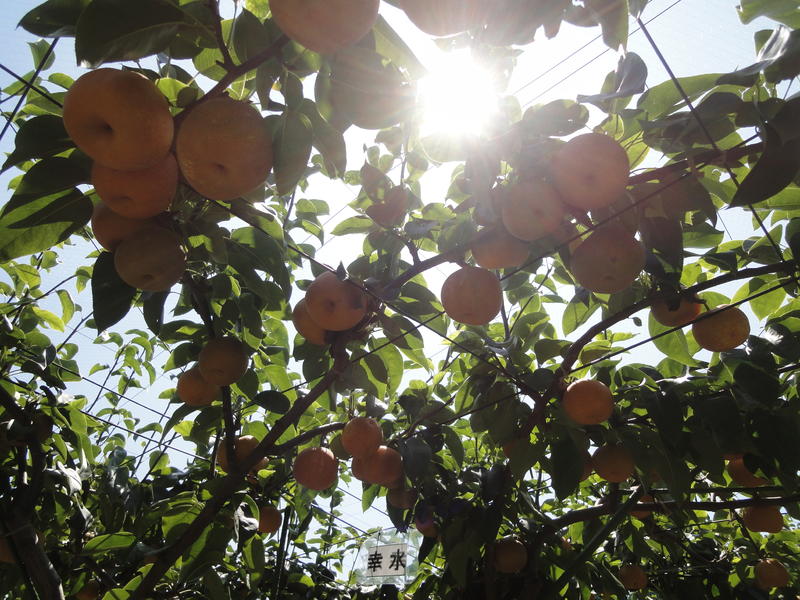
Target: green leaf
[[783, 11], [292, 147], [766, 304], [153, 309], [559, 117], [54, 18], [664, 98], [47, 317], [116, 30], [577, 313], [46, 177], [392, 46], [566, 466], [674, 344], [273, 401], [613, 18], [102, 544], [353, 225], [368, 496], [327, 139], [775, 170], [264, 253], [38, 137], [111, 297], [629, 79], [43, 223]]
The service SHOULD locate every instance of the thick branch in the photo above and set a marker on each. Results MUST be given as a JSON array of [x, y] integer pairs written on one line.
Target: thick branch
[[711, 156], [233, 480], [575, 349], [305, 437], [588, 551], [230, 426], [234, 73], [33, 559], [23, 540], [593, 512]]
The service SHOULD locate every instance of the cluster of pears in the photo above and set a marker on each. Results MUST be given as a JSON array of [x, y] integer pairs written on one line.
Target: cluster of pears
[[330, 305], [587, 173], [222, 361], [373, 462], [122, 121]]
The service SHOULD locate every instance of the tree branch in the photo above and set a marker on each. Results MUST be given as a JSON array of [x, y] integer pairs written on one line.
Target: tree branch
[[227, 60], [575, 349], [233, 480], [305, 437], [710, 156], [23, 539], [230, 426], [234, 73], [593, 512], [588, 551]]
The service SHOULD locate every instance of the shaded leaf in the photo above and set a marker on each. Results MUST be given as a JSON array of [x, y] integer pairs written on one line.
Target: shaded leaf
[[559, 117], [115, 30], [566, 466], [111, 297], [776, 169], [273, 401], [38, 137], [629, 79], [778, 59], [42, 223], [292, 148], [54, 18]]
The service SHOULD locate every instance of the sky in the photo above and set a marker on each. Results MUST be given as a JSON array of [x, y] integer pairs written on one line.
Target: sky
[[695, 37]]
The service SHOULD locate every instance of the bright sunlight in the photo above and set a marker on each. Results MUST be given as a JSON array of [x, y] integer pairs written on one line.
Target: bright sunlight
[[458, 95]]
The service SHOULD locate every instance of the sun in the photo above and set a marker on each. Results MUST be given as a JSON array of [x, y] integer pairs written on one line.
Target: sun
[[458, 95]]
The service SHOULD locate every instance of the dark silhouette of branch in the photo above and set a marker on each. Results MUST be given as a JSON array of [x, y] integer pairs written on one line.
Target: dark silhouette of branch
[[620, 513], [711, 156], [234, 479], [593, 512], [577, 346], [22, 537], [306, 436], [234, 73]]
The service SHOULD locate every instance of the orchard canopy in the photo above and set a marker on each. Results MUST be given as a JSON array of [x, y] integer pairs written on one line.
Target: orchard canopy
[[566, 369]]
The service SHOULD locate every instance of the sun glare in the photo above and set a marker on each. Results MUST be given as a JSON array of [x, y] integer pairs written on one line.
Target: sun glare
[[458, 96]]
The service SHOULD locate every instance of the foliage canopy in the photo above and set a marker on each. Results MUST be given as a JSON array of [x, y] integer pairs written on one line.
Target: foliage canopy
[[484, 439]]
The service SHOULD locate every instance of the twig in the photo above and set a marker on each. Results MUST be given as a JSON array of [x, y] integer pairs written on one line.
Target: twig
[[236, 72], [230, 426], [227, 60]]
